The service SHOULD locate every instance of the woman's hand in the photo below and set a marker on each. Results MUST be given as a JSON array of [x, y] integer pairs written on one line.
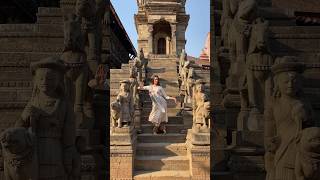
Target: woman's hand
[[140, 87], [175, 99]]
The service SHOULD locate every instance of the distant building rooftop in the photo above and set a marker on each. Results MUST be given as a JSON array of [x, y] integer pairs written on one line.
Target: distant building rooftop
[[204, 58]]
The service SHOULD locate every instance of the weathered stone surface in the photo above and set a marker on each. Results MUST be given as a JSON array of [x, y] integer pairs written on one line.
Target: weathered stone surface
[[121, 162], [199, 161]]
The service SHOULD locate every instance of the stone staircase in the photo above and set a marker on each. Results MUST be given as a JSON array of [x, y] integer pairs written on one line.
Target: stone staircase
[[162, 156], [117, 75]]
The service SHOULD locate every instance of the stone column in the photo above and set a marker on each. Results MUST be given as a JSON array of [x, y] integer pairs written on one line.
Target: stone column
[[168, 42], [174, 39], [150, 38]]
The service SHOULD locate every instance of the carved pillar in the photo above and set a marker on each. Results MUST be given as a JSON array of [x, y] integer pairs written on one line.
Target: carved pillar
[[150, 38], [168, 42], [174, 39]]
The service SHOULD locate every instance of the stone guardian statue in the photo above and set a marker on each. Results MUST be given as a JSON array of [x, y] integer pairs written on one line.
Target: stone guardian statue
[[286, 116], [49, 116], [201, 108], [125, 102]]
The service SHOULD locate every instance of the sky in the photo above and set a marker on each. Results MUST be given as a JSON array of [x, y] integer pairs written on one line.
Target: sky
[[197, 30]]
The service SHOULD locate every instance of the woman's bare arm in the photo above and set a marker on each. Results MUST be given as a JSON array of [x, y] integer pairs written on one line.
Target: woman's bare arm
[[168, 97]]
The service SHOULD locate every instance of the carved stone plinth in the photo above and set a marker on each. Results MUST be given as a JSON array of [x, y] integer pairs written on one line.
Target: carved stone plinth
[[199, 156], [122, 150], [247, 163], [248, 138], [91, 136], [121, 162], [219, 150], [90, 169], [199, 138], [92, 164], [124, 136]]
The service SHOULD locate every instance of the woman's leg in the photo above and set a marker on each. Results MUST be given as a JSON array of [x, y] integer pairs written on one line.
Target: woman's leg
[[155, 128], [164, 128]]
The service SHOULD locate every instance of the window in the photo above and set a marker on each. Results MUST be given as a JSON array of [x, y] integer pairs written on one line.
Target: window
[[161, 46]]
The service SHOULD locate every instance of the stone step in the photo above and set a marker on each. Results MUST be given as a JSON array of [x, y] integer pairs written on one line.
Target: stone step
[[295, 30], [284, 39], [15, 75], [161, 138], [15, 93], [162, 175], [157, 65], [163, 74], [23, 28], [171, 128], [168, 59], [203, 74], [119, 76], [164, 78], [8, 28], [168, 149], [162, 69], [23, 59], [172, 163], [31, 42], [171, 120], [117, 71], [49, 15]]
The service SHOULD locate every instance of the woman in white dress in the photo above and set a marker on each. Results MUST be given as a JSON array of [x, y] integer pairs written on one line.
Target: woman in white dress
[[158, 115]]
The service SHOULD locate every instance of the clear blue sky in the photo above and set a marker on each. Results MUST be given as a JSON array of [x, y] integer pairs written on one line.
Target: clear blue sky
[[199, 23]]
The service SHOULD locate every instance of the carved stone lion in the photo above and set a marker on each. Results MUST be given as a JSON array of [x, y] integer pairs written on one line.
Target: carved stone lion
[[19, 154], [115, 114], [308, 156]]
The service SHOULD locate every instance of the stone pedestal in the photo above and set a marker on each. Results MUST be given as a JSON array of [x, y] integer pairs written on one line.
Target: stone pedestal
[[219, 152], [92, 163], [198, 149], [122, 152], [247, 163], [245, 146], [247, 155], [91, 136]]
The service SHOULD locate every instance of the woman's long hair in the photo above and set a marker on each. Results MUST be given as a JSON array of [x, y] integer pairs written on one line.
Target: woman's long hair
[[152, 80]]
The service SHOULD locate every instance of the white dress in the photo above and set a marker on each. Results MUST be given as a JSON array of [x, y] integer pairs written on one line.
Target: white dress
[[159, 104]]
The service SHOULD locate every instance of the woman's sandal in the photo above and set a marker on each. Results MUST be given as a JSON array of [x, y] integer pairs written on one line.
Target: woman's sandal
[[155, 129], [164, 130]]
